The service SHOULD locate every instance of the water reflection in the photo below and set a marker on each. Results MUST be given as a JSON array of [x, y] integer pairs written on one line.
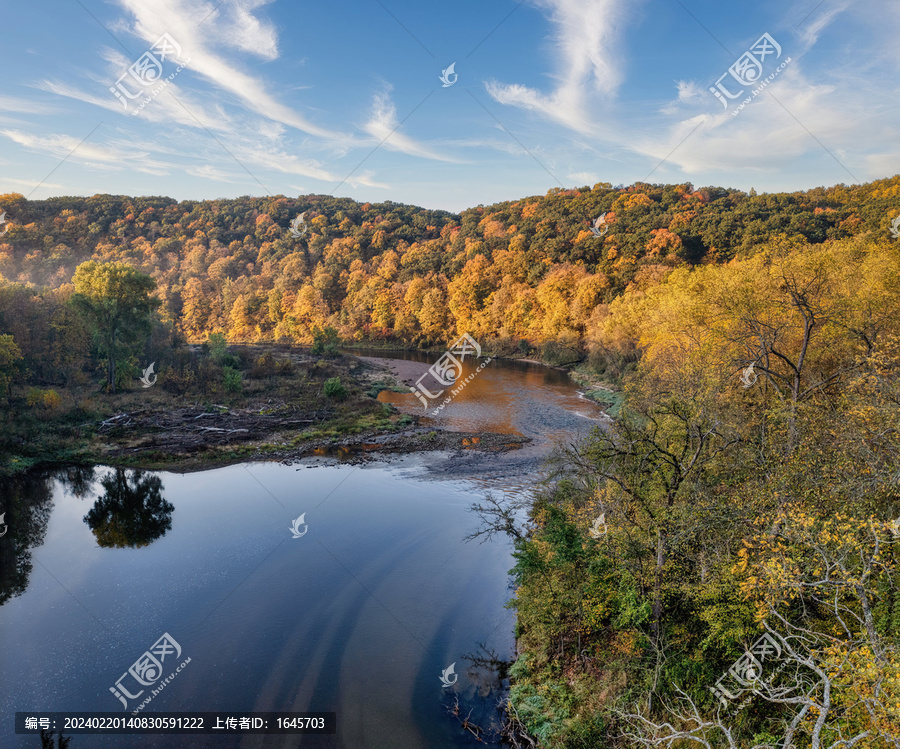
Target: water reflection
[[26, 502], [132, 511], [77, 480]]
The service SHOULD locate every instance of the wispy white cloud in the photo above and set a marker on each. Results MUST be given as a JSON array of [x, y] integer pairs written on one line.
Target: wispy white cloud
[[207, 171], [821, 18], [587, 60], [25, 106], [118, 153], [202, 29], [98, 156], [28, 183], [583, 178], [792, 118], [384, 126], [689, 91], [834, 117], [171, 106], [366, 178]]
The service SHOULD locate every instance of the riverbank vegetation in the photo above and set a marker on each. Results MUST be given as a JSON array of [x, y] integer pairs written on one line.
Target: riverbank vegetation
[[719, 568], [94, 290], [251, 402]]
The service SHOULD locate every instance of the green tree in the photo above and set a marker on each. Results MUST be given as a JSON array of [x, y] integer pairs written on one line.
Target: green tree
[[10, 356], [115, 300], [232, 379], [334, 389], [218, 347], [325, 342]]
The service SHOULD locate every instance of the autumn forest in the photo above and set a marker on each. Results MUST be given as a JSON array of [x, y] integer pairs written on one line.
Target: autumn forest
[[747, 482]]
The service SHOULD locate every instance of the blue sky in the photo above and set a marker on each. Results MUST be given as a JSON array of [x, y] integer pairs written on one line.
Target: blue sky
[[345, 97]]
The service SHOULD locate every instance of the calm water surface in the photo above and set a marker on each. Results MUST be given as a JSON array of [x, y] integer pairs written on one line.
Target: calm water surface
[[360, 615]]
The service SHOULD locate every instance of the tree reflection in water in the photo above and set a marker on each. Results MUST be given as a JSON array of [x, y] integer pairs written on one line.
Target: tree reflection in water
[[132, 511], [25, 502]]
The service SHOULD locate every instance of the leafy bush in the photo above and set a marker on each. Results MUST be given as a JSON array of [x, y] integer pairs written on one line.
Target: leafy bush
[[177, 382], [51, 399], [612, 363], [232, 379], [264, 366], [564, 350], [325, 342], [47, 398], [217, 347], [334, 389], [284, 367]]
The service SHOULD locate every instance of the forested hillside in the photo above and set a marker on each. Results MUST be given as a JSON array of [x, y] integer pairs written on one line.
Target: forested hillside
[[529, 269], [718, 568], [747, 488]]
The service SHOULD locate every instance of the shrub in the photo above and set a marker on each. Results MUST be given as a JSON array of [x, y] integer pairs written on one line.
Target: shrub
[[284, 367], [177, 382], [232, 379], [325, 342], [47, 398], [334, 389], [503, 346], [217, 346], [613, 364], [51, 399], [564, 350], [264, 366]]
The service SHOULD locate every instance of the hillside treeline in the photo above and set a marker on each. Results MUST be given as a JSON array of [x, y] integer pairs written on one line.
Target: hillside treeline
[[527, 271]]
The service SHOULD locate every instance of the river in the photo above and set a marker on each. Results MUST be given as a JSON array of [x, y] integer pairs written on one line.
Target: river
[[320, 586]]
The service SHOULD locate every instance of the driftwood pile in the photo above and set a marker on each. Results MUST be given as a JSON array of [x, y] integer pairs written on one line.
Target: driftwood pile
[[194, 428]]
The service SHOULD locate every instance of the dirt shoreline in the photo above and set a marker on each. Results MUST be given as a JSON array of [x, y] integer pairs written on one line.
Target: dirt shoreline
[[188, 438]]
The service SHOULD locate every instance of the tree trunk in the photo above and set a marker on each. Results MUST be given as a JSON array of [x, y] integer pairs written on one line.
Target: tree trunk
[[111, 374], [661, 543], [111, 352]]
